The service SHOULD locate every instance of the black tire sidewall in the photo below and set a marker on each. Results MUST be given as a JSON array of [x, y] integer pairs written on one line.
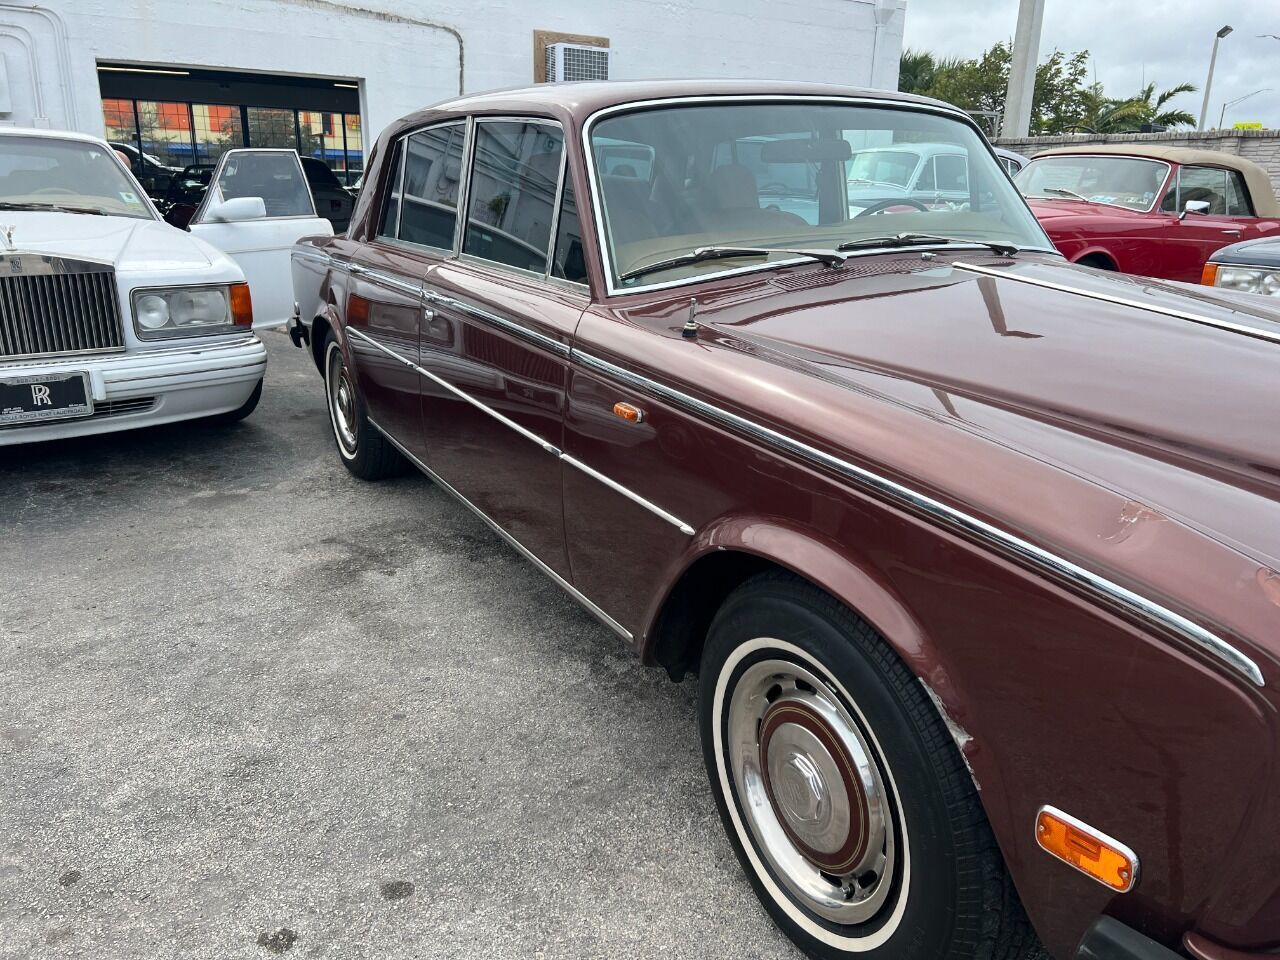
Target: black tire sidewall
[[786, 613]]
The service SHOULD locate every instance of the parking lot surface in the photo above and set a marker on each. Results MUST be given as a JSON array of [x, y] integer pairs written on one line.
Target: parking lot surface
[[251, 706]]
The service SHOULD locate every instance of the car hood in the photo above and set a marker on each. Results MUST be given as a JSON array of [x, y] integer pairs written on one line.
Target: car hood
[[129, 243], [1259, 252], [1132, 426], [1064, 210]]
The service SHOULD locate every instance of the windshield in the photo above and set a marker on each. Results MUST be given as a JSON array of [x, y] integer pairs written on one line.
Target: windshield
[[1120, 181], [78, 175], [788, 175]]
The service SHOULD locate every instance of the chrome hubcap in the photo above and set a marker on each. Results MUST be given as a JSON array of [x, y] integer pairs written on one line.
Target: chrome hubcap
[[342, 403], [811, 790]]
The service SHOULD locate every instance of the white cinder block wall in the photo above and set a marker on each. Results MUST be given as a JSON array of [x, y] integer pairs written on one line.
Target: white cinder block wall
[[406, 53]]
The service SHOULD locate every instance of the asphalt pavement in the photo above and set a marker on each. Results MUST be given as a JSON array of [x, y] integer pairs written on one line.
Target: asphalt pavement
[[251, 707]]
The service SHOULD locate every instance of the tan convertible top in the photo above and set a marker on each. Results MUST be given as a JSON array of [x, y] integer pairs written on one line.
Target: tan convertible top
[[1259, 184]]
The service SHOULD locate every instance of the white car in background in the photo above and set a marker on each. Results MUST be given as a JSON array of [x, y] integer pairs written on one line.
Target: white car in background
[[109, 317]]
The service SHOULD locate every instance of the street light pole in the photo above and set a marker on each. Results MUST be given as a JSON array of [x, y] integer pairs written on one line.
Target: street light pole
[[1208, 84], [1022, 69], [1231, 103]]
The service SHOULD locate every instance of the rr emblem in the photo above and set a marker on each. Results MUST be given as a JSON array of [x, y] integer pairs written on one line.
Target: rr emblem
[[40, 395]]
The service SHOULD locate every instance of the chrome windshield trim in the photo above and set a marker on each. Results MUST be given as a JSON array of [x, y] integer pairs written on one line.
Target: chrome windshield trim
[[921, 504], [1164, 181], [1241, 328], [506, 421], [529, 435], [524, 551], [635, 106]]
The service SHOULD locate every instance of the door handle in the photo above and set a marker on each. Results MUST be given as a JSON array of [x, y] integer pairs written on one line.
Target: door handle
[[428, 314], [1230, 232]]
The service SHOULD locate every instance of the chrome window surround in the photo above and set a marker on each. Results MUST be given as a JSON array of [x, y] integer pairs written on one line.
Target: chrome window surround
[[974, 529], [402, 146], [524, 551], [1160, 194], [1241, 328], [606, 254], [529, 435], [1242, 183]]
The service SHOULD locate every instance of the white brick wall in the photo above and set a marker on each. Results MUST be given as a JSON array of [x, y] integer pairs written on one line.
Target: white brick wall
[[1260, 146]]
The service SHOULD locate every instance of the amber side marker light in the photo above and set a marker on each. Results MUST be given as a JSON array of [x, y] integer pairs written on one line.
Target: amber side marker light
[[627, 412], [241, 305], [1209, 276], [1090, 851]]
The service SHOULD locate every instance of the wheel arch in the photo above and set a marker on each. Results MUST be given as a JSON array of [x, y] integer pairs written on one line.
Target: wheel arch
[[1096, 257]]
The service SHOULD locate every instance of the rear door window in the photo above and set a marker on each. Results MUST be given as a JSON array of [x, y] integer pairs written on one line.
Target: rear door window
[[432, 177], [514, 176]]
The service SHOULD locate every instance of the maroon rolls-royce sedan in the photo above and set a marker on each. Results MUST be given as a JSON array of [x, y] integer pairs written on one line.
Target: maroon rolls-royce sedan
[[974, 551]]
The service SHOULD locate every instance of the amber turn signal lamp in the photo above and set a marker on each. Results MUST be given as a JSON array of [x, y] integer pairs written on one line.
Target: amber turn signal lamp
[[241, 305], [627, 412], [1209, 276], [1090, 851]]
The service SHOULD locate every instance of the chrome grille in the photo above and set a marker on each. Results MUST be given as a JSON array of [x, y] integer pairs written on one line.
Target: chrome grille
[[51, 306]]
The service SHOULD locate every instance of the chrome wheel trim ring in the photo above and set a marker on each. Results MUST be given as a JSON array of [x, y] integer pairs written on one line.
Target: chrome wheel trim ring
[[890, 898], [342, 402]]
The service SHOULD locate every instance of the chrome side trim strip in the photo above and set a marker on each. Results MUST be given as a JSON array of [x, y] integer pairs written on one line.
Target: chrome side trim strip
[[529, 435], [1241, 328], [310, 253], [386, 279], [630, 495], [524, 551], [920, 504], [1106, 838], [506, 421], [524, 333]]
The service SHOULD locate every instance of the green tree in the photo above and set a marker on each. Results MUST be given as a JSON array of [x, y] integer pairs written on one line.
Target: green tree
[[1103, 114]]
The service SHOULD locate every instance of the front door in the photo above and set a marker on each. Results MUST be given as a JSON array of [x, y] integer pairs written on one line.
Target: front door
[[1229, 219], [495, 340], [259, 236]]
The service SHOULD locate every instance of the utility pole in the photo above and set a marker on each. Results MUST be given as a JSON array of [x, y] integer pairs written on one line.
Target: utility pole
[[1208, 84], [1022, 71]]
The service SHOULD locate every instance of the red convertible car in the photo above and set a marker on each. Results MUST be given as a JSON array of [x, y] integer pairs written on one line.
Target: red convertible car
[[1152, 211], [974, 552]]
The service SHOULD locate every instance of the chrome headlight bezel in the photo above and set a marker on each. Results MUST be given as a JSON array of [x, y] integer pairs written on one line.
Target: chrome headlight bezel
[[203, 319], [1248, 278]]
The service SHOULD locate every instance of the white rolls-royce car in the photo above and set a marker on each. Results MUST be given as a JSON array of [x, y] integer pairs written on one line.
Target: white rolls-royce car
[[112, 319]]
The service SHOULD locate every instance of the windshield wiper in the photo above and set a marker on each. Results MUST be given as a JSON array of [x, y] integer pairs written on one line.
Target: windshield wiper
[[56, 207], [1063, 192], [829, 257], [924, 239]]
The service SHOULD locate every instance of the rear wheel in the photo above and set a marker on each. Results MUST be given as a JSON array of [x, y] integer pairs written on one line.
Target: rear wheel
[[362, 447], [844, 796]]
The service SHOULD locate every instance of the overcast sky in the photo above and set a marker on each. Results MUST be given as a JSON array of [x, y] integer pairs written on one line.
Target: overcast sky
[[1167, 41]]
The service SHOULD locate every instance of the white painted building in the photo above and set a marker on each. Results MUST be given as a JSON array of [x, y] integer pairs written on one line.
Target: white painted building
[[187, 80]]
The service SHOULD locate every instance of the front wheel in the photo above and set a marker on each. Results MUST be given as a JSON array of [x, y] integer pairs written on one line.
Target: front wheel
[[364, 450], [844, 795]]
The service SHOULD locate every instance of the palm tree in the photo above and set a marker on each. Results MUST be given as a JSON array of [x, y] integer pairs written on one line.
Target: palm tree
[[1103, 114], [1154, 106]]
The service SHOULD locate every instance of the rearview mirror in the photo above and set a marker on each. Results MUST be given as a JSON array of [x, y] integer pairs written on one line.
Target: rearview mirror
[[236, 209], [1200, 207], [805, 151]]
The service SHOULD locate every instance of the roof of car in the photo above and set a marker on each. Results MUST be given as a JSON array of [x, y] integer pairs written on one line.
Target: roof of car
[[1260, 187], [45, 132], [581, 99]]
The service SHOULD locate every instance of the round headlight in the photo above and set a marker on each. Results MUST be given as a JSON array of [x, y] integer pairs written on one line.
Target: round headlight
[[153, 312]]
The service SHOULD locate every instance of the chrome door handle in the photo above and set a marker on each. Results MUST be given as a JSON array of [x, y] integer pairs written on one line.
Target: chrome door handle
[[1233, 233], [428, 314]]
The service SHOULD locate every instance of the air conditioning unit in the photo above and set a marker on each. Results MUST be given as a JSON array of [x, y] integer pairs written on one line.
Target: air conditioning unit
[[574, 61]]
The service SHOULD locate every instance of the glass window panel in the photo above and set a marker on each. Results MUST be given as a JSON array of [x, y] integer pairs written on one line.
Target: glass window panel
[[569, 262], [118, 116], [322, 140], [513, 192], [217, 128], [952, 172], [355, 148], [1206, 184], [166, 132], [275, 176], [1237, 196], [432, 173], [272, 127], [389, 221]]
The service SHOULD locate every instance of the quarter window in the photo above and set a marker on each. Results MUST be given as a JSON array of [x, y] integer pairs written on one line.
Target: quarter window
[[390, 221], [432, 174], [569, 262], [514, 176]]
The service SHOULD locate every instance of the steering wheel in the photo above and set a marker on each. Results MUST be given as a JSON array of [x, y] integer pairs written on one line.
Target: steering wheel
[[773, 186], [882, 205]]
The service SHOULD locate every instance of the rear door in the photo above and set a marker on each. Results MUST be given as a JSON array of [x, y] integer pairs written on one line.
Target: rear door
[[260, 238]]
